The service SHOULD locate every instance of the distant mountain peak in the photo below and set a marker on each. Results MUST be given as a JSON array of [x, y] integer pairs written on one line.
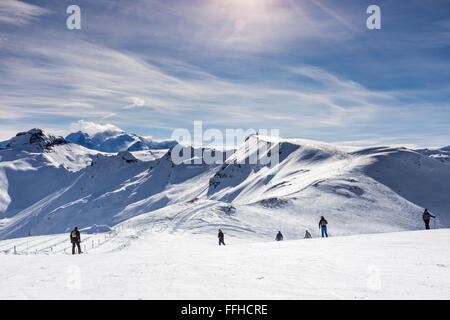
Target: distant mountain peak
[[115, 140], [34, 140], [440, 154]]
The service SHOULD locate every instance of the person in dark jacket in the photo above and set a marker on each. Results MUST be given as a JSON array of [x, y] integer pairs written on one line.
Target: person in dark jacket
[[279, 236], [75, 239], [323, 226], [426, 218], [307, 235], [221, 238]]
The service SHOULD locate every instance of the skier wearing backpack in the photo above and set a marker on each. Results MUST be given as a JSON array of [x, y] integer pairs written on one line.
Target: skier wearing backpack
[[75, 239], [323, 226], [426, 218], [279, 236], [221, 238]]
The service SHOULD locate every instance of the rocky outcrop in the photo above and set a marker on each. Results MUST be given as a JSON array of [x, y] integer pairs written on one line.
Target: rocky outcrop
[[34, 140]]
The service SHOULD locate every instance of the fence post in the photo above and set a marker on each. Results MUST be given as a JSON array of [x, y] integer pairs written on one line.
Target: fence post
[[92, 244], [15, 251]]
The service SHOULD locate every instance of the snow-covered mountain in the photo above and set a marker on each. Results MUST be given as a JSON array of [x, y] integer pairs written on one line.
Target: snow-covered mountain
[[116, 140], [441, 154], [34, 140], [58, 185]]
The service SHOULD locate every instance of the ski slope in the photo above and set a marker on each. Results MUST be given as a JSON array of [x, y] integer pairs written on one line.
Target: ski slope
[[144, 262]]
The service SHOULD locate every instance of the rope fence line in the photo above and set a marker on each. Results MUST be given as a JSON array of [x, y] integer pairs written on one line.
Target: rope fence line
[[93, 241]]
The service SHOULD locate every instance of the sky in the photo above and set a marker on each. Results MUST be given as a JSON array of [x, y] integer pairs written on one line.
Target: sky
[[310, 68]]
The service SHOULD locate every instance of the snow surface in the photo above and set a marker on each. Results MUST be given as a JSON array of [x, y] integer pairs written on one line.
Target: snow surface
[[138, 261], [441, 154]]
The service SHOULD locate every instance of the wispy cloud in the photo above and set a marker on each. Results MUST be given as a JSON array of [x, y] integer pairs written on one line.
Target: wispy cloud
[[95, 80], [229, 27], [16, 12], [91, 128], [305, 67], [137, 102]]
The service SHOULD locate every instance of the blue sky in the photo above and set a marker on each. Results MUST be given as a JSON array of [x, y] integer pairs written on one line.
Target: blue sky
[[310, 68]]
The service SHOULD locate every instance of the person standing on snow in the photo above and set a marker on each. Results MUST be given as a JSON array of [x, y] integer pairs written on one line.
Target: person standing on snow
[[323, 226], [279, 236], [221, 238], [75, 239], [307, 235], [426, 218]]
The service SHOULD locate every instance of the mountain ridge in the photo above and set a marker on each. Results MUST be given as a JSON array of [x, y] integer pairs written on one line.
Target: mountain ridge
[[117, 140], [379, 189]]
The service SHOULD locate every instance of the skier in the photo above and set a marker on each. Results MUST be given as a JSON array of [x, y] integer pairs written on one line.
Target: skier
[[221, 238], [279, 236], [426, 218], [307, 235], [323, 226], [75, 239]]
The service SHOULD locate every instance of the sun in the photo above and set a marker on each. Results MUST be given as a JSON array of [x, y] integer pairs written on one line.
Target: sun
[[246, 12]]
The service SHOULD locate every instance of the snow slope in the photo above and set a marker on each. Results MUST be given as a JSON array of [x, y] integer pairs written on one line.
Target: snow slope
[[382, 189], [417, 178], [140, 262], [3, 144], [441, 154]]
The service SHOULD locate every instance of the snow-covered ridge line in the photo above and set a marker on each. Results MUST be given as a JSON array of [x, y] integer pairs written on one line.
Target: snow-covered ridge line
[[380, 189]]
